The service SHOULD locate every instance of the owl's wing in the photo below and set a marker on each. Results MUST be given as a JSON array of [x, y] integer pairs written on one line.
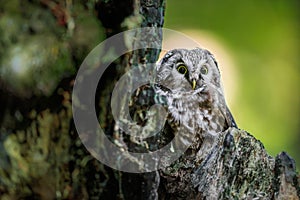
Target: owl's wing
[[229, 118]]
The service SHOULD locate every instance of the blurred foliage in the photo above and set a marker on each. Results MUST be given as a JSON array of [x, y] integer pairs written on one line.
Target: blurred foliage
[[263, 37], [44, 43]]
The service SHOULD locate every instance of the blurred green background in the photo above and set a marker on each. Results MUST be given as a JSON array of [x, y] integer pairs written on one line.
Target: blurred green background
[[262, 37]]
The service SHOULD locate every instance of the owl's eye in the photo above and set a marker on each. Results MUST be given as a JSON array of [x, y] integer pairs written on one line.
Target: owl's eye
[[181, 68], [204, 70]]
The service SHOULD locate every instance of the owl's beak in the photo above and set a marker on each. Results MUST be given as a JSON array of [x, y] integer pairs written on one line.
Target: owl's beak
[[194, 83]]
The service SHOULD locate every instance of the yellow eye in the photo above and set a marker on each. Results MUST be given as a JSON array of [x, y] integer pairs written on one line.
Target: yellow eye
[[204, 70], [182, 69]]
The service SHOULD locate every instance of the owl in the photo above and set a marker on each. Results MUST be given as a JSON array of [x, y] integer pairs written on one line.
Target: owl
[[189, 81], [187, 84]]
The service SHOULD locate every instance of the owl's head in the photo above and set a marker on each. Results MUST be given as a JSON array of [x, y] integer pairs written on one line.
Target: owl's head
[[188, 71]]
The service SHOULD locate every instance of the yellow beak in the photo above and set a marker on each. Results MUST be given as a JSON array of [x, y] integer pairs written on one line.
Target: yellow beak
[[194, 84]]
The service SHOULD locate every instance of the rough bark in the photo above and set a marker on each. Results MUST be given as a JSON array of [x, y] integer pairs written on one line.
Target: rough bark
[[42, 157], [240, 168], [144, 14]]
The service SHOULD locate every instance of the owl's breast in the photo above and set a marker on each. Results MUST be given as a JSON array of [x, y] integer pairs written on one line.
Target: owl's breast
[[197, 114]]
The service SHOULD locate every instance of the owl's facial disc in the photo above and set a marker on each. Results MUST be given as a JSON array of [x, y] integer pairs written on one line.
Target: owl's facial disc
[[183, 69], [197, 78]]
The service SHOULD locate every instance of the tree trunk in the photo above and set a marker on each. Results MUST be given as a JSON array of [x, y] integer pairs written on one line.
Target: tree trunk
[[42, 156]]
